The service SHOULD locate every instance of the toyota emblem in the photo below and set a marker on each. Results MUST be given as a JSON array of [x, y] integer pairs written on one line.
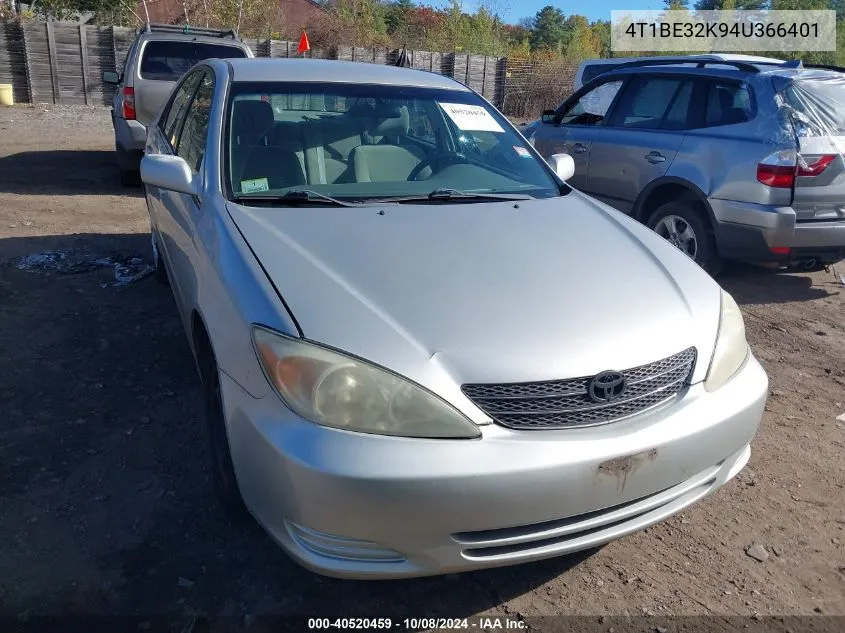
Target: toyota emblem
[[607, 387]]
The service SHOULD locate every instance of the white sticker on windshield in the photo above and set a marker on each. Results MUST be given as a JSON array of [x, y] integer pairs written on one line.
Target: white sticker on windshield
[[254, 186], [471, 118]]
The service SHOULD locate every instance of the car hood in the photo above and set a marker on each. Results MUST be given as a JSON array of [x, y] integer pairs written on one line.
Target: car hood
[[486, 292]]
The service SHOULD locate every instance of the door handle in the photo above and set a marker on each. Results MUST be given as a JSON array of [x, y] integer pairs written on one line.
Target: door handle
[[655, 157], [578, 148]]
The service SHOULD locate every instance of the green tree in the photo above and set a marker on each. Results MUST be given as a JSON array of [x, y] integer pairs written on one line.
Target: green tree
[[105, 11], [549, 29], [744, 5], [397, 18], [676, 5], [363, 20], [602, 30]]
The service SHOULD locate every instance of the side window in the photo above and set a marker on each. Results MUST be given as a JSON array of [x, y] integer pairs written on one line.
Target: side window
[[126, 61], [592, 107], [192, 140], [178, 107], [677, 118], [727, 103], [591, 71], [650, 100]]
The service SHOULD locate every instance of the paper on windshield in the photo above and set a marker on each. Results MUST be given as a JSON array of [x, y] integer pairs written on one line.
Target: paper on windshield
[[471, 118], [254, 186]]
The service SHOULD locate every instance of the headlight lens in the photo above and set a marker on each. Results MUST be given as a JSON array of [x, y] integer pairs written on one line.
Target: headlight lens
[[342, 392], [731, 346]]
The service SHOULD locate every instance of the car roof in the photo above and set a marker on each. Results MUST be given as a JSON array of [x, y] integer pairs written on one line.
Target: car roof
[[716, 71], [736, 57], [334, 71]]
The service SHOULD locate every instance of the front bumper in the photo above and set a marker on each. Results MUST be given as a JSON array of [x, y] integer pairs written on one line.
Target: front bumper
[[749, 232], [364, 506]]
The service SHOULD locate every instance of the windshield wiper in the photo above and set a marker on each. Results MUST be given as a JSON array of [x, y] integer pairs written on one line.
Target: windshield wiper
[[454, 194], [296, 197]]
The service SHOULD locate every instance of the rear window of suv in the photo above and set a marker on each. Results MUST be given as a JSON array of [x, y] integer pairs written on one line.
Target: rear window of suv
[[167, 61], [820, 104]]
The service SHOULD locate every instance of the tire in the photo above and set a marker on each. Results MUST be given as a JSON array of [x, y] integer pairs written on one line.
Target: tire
[[160, 271], [684, 226], [222, 468], [129, 178]]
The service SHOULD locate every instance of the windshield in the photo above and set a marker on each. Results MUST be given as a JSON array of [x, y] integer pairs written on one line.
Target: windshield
[[361, 142], [167, 61]]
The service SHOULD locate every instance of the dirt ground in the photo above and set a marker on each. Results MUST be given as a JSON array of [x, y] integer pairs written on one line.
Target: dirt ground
[[106, 503]]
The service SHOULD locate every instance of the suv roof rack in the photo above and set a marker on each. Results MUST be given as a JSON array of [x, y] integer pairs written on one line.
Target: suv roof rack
[[188, 30], [825, 67], [705, 60]]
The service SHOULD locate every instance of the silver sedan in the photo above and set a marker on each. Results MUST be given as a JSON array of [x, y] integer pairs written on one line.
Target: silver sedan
[[421, 351]]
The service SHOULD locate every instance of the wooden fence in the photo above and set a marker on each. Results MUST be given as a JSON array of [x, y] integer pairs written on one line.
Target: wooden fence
[[55, 62]]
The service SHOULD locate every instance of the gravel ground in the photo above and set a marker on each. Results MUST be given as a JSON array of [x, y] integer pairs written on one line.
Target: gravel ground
[[107, 504]]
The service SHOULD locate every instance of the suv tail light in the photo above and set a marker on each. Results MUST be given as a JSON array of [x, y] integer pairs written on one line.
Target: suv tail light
[[128, 103], [778, 169], [817, 166], [782, 168]]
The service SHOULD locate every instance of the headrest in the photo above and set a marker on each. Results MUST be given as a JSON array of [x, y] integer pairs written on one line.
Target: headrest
[[251, 120], [726, 99], [393, 123], [362, 110]]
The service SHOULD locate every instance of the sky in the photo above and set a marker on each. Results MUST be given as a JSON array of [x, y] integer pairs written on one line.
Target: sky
[[514, 10]]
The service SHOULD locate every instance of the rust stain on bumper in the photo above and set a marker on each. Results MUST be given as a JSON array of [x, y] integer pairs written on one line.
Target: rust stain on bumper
[[621, 467]]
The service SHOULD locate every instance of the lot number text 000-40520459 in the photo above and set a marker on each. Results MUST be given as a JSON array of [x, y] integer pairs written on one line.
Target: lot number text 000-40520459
[[417, 624]]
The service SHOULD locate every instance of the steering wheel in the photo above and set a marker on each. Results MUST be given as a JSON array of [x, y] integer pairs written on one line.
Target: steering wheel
[[439, 160]]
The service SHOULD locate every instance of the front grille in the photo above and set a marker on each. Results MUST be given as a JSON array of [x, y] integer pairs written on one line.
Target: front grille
[[558, 404]]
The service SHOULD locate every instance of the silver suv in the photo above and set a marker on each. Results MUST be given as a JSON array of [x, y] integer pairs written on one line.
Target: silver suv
[[726, 159], [158, 57]]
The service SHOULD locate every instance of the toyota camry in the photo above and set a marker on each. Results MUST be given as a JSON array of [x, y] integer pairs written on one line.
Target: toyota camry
[[421, 351]]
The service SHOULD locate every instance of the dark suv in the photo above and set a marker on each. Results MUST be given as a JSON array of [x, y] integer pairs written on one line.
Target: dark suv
[[726, 159]]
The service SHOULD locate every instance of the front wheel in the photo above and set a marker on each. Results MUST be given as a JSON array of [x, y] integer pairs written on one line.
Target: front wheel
[[159, 271], [222, 468], [683, 226]]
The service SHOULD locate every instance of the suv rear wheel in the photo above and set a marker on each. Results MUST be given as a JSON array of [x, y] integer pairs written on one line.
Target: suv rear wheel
[[682, 225], [128, 177]]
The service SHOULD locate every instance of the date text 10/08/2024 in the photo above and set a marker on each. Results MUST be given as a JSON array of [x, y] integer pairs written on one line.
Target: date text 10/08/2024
[[417, 624]]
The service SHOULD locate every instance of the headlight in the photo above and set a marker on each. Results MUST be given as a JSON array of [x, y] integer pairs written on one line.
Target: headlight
[[731, 346], [343, 392]]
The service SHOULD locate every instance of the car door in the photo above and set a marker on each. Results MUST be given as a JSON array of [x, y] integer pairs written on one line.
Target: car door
[[640, 138], [185, 209], [163, 204], [575, 126]]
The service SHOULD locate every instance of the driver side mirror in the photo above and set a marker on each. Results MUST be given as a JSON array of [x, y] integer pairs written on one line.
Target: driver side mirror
[[549, 117], [563, 165], [111, 77], [171, 173]]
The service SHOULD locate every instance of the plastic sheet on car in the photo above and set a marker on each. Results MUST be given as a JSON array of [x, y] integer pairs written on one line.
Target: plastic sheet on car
[[813, 102]]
